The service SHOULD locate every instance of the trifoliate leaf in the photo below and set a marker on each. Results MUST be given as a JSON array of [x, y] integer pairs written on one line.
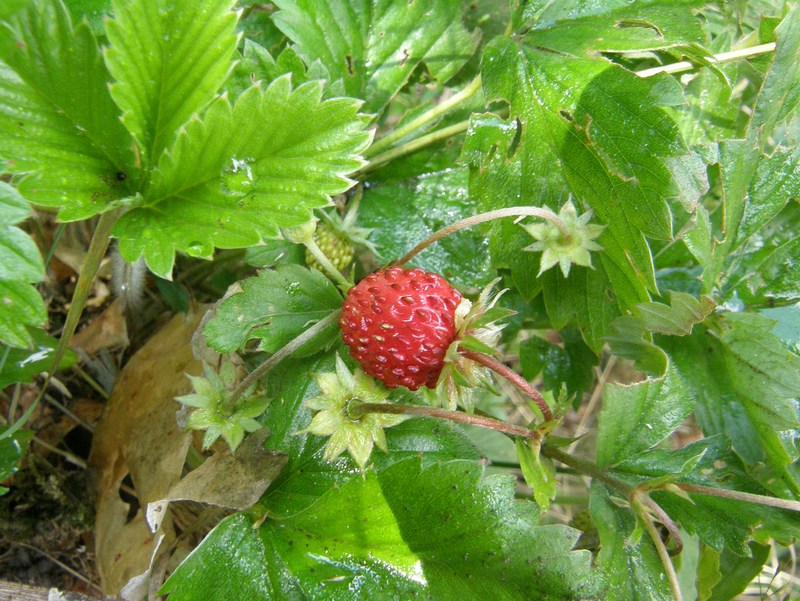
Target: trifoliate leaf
[[275, 307], [168, 60], [58, 122], [241, 172], [378, 43]]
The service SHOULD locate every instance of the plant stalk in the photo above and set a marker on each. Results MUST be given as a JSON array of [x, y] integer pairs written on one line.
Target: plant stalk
[[722, 57], [512, 376], [538, 212], [741, 496], [584, 466], [663, 552], [414, 145], [425, 118], [94, 256], [263, 369], [357, 408]]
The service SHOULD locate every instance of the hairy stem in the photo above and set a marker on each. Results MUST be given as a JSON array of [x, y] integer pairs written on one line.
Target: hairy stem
[[538, 212], [584, 466], [357, 409], [663, 552], [414, 145], [263, 369], [741, 496], [668, 524], [97, 250], [512, 376], [425, 118], [722, 57]]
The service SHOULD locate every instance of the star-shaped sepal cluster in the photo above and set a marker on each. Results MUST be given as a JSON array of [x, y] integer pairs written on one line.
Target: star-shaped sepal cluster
[[477, 329], [567, 244], [337, 416], [216, 412]]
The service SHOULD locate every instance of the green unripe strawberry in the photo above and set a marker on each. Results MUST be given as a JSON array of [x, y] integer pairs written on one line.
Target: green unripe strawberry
[[336, 246]]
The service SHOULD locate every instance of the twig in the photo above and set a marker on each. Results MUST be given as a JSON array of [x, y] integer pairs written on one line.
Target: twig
[[539, 212], [425, 118], [722, 57], [263, 369], [512, 376], [663, 554], [60, 564]]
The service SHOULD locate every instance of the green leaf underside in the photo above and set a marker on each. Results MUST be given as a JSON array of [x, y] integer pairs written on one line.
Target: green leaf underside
[[639, 416], [632, 567], [57, 120], [373, 46], [170, 68], [20, 266], [275, 307], [242, 171], [402, 215], [746, 383], [721, 523]]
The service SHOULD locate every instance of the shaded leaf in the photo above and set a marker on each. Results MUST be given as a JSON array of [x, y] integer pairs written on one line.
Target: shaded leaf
[[632, 567], [378, 43], [571, 365], [24, 364], [12, 450], [275, 307], [723, 524], [631, 334], [402, 215]]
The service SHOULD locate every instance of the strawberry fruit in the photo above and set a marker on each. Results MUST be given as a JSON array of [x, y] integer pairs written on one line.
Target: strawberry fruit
[[399, 324]]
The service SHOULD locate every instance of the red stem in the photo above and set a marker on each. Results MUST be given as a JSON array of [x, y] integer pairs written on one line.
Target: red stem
[[512, 376]]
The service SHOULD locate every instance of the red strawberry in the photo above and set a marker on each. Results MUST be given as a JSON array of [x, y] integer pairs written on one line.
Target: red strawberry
[[399, 323]]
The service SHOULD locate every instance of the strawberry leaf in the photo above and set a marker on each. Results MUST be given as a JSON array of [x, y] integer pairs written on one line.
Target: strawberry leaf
[[57, 120], [378, 43], [723, 524], [20, 267], [168, 60], [229, 184], [275, 307], [12, 449], [639, 416], [583, 28]]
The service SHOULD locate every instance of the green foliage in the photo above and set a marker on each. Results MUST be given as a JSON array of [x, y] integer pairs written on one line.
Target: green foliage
[[12, 449], [274, 307], [378, 43], [20, 266], [191, 127]]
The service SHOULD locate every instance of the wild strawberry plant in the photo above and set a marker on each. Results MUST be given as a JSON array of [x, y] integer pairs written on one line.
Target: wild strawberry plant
[[590, 183]]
